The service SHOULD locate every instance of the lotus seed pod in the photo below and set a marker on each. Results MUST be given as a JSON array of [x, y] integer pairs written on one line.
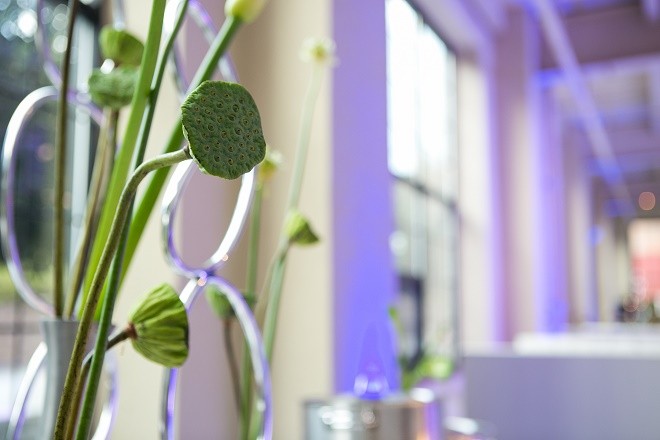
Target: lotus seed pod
[[223, 128], [114, 89], [244, 10], [298, 230], [220, 304], [120, 46], [159, 327]]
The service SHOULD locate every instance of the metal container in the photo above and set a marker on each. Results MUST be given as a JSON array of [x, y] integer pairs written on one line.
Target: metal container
[[413, 416]]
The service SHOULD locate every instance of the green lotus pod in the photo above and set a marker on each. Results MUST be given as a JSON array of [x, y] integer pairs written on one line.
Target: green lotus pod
[[114, 89], [298, 230], [244, 10], [223, 128], [159, 327], [220, 304], [120, 46], [269, 166]]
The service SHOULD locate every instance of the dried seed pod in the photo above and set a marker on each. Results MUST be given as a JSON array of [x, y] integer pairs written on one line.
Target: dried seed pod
[[159, 327], [223, 128], [298, 230], [120, 46], [113, 89]]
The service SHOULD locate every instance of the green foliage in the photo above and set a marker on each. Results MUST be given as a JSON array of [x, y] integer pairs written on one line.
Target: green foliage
[[113, 89], [223, 127], [220, 304], [160, 326], [120, 46], [298, 230]]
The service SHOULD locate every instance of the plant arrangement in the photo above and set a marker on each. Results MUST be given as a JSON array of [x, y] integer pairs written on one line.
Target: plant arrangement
[[220, 130]]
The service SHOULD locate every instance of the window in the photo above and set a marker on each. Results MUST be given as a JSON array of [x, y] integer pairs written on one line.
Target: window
[[423, 160], [22, 73]]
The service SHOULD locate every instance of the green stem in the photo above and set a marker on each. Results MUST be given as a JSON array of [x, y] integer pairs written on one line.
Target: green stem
[[100, 275], [104, 153], [104, 328], [270, 299], [150, 195], [246, 394], [123, 161], [231, 360], [80, 385], [60, 166], [304, 135]]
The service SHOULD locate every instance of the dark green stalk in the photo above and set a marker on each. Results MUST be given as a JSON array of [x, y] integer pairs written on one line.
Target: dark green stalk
[[91, 391], [100, 275], [150, 195], [231, 360], [80, 385], [104, 153], [60, 166], [123, 162]]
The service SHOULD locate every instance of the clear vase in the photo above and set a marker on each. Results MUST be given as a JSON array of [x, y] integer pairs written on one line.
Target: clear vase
[[59, 337]]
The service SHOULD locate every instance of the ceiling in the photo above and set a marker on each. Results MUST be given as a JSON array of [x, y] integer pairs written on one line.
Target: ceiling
[[616, 46]]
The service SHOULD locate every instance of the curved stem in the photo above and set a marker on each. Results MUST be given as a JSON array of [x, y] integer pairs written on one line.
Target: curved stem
[[100, 275], [100, 347], [82, 380], [60, 166]]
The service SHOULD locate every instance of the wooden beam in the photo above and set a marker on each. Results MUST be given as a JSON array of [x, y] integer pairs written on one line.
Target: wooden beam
[[608, 34], [651, 9], [562, 50], [491, 12]]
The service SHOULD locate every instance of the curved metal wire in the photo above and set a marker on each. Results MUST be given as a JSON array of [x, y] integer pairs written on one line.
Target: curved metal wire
[[15, 130], [257, 355], [172, 196], [17, 415]]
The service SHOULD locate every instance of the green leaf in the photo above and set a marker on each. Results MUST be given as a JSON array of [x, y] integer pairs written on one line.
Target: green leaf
[[223, 128], [298, 230], [114, 89], [160, 327], [120, 46]]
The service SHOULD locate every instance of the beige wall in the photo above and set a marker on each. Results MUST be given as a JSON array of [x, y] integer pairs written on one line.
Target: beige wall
[[266, 56]]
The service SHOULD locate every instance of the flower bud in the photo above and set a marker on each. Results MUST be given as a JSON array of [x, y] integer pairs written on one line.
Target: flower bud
[[298, 230], [223, 128], [269, 166], [159, 327], [244, 10], [318, 50], [120, 46], [113, 89]]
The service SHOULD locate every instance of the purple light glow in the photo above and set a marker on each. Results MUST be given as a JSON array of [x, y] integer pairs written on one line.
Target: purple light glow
[[362, 215]]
